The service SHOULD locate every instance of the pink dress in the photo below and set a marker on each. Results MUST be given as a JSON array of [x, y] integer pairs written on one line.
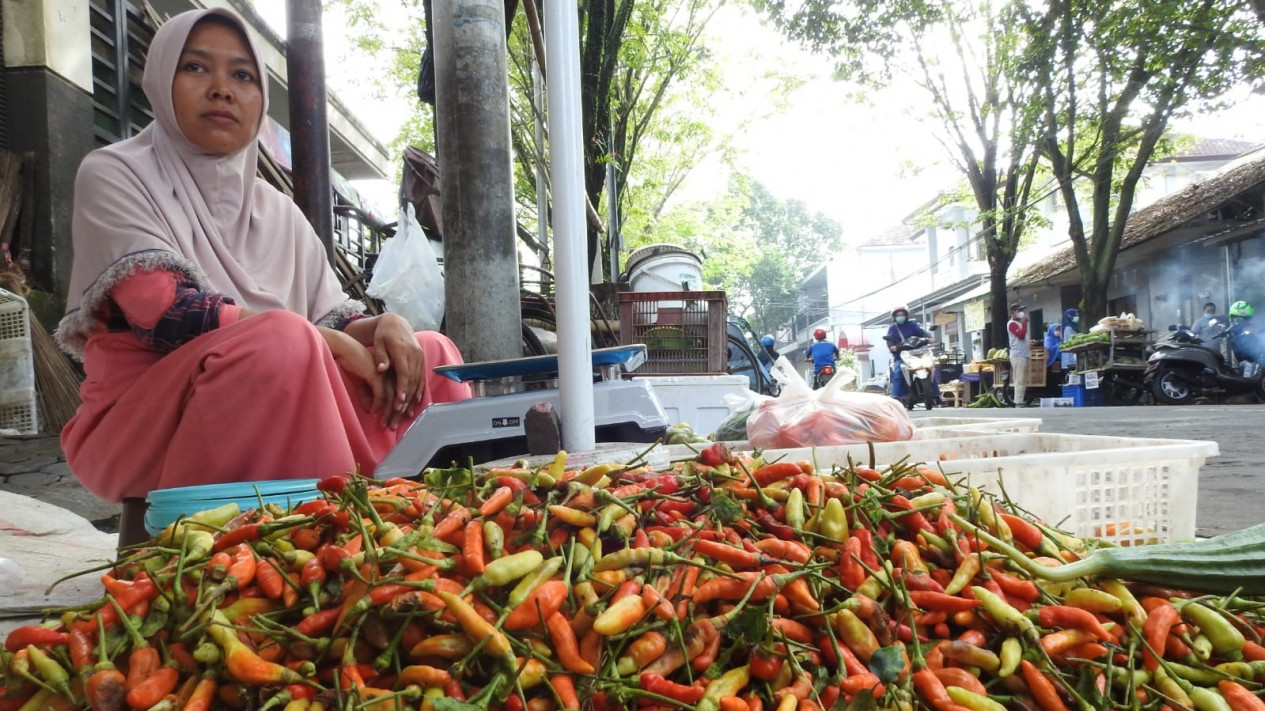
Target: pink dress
[[255, 399]]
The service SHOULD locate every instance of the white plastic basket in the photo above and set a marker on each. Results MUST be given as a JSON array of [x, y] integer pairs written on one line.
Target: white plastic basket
[[942, 427], [1129, 490], [17, 366]]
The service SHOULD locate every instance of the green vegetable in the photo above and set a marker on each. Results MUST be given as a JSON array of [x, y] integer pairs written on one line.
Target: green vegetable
[[1230, 562]]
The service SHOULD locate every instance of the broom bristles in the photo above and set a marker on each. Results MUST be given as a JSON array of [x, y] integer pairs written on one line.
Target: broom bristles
[[56, 380]]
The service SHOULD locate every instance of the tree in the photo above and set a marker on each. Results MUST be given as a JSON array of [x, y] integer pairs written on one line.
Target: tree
[[1113, 74], [963, 56], [759, 248], [631, 55]]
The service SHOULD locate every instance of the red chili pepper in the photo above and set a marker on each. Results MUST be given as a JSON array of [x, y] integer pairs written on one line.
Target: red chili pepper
[[656, 684], [37, 635], [1155, 631], [940, 601], [333, 485]]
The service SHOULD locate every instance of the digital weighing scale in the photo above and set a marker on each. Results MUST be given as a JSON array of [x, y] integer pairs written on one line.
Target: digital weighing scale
[[490, 425]]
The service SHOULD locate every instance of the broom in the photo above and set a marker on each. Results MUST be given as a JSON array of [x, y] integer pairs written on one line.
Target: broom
[[56, 378]]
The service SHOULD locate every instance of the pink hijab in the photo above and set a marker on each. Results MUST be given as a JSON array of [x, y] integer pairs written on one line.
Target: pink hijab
[[156, 201]]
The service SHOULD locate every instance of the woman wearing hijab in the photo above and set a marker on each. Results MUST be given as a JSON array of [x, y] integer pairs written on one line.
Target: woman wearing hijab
[[1071, 317], [1053, 339], [216, 342]]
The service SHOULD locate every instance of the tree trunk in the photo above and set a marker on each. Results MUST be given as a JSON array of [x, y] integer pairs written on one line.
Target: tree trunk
[[1093, 299], [997, 302]]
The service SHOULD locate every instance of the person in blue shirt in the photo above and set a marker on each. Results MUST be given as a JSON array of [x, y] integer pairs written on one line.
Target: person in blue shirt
[[1071, 321], [822, 352], [1053, 339], [901, 329]]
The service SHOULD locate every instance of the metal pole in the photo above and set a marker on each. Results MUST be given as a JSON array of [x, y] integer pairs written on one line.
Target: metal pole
[[575, 365], [309, 127], [476, 179], [542, 183], [612, 212]]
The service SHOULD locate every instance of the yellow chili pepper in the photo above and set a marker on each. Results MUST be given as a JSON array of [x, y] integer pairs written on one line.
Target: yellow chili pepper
[[833, 522], [727, 684], [533, 580], [1011, 653], [506, 570]]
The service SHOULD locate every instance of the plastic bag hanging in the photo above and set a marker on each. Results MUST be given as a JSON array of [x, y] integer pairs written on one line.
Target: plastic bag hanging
[[407, 277]]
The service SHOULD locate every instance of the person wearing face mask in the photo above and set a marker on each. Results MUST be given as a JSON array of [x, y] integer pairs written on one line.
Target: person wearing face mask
[[1020, 350], [1206, 327], [902, 327], [1071, 326]]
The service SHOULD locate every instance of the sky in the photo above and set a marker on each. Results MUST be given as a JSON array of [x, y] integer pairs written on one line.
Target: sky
[[866, 162]]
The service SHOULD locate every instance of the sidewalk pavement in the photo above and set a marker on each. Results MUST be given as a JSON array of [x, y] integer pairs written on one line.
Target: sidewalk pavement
[[34, 466]]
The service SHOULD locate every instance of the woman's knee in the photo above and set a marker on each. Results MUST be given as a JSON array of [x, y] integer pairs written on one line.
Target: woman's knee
[[272, 342]]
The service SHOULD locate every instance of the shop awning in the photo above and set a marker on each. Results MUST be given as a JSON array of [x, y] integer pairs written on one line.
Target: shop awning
[[973, 294]]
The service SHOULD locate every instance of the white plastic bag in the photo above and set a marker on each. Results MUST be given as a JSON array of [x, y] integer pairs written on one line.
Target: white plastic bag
[[803, 417], [407, 277]]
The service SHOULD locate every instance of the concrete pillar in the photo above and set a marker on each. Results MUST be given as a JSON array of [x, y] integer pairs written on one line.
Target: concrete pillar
[[309, 125], [48, 76], [476, 179]]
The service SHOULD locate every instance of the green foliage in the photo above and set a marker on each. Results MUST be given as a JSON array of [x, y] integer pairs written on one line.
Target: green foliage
[[1113, 75], [757, 247], [645, 72]]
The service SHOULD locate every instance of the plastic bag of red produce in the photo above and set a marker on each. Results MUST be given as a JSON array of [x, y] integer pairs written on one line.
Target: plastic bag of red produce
[[834, 414]]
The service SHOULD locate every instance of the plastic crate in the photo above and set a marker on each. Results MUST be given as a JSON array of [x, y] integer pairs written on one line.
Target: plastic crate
[[683, 331], [942, 427], [17, 366], [1082, 397], [1132, 491], [697, 400]]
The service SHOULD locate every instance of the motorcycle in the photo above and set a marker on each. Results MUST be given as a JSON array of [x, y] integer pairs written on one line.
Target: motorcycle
[[916, 366], [1184, 367], [823, 376]]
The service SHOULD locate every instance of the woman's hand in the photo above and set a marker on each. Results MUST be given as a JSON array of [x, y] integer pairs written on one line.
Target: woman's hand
[[399, 355], [356, 360]]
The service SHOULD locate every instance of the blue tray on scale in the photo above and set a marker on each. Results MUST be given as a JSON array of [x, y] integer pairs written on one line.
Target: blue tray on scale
[[628, 358]]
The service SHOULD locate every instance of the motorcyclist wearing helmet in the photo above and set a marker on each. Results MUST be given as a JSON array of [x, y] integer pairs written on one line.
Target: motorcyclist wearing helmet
[[822, 352], [1245, 343], [902, 328], [769, 346]]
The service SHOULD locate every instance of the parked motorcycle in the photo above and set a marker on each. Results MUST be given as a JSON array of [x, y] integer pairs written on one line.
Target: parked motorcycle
[[916, 366], [823, 376], [1184, 367]]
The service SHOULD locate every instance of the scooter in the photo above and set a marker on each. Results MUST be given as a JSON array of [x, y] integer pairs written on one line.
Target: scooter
[[823, 376], [1184, 367], [917, 365]]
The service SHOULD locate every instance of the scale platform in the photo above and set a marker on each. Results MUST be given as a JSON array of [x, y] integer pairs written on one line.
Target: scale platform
[[490, 425]]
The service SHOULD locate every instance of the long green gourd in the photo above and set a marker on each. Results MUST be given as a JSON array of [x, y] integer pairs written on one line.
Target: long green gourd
[[1224, 564]]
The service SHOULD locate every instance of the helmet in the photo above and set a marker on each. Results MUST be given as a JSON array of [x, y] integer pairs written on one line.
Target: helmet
[[819, 334], [767, 341], [899, 309], [1241, 309]]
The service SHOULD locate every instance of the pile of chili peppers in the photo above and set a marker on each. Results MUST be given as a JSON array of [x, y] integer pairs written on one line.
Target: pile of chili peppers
[[724, 584]]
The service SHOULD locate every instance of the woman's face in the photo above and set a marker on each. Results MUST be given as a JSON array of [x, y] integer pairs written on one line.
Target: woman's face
[[217, 92]]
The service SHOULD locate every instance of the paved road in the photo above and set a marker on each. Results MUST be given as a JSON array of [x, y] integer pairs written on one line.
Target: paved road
[[1231, 486]]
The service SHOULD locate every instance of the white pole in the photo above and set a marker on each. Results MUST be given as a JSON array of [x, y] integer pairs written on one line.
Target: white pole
[[575, 365]]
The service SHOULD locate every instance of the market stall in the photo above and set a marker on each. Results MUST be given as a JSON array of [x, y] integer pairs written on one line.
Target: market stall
[[1110, 362]]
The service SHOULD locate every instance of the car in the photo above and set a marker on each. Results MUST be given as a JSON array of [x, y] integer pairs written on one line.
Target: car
[[747, 357]]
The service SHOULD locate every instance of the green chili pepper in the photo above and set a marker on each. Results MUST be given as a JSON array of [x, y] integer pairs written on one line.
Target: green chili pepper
[[1224, 636], [494, 539], [1006, 615], [52, 672], [533, 580], [503, 571]]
